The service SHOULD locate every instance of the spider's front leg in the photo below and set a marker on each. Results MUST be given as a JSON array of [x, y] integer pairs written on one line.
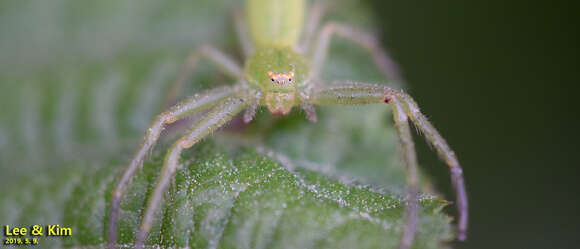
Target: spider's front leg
[[195, 104], [220, 115], [404, 107]]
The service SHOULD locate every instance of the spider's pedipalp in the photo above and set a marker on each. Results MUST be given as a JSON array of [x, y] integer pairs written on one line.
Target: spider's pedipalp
[[220, 115], [309, 109]]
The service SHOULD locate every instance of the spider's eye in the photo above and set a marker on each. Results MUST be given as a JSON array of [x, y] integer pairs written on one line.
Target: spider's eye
[[272, 79], [290, 79]]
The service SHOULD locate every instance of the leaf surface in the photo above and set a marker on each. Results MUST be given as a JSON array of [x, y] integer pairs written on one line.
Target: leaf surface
[[248, 200]]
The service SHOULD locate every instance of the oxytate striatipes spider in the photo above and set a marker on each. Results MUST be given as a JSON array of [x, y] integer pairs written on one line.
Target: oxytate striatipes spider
[[281, 72]]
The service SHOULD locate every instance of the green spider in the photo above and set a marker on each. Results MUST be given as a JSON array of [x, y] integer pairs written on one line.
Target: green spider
[[281, 72]]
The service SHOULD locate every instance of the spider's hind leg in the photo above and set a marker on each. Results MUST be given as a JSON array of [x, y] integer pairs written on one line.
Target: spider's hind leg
[[242, 32], [225, 63], [316, 13], [369, 42]]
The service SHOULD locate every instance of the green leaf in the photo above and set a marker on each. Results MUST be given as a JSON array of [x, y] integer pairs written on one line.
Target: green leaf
[[245, 199]]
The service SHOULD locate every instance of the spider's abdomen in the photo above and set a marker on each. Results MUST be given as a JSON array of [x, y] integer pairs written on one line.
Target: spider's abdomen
[[275, 22]]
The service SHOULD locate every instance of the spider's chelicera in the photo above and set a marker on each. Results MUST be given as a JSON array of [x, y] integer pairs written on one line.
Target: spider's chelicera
[[281, 72]]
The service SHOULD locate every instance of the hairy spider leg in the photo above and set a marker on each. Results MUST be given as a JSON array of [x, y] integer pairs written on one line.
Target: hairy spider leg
[[316, 13], [242, 32], [194, 104], [390, 70], [380, 56], [253, 105], [448, 155], [224, 62], [362, 93], [410, 158], [220, 115]]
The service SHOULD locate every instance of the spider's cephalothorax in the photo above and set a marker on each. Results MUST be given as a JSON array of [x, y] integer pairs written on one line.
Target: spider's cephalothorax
[[276, 74], [280, 73]]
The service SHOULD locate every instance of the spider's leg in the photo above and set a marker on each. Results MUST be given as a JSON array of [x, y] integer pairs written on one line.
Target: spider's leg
[[367, 41], [309, 110], [224, 62], [242, 31], [361, 93], [194, 104], [220, 115], [307, 106], [447, 154], [314, 16], [253, 105], [410, 157]]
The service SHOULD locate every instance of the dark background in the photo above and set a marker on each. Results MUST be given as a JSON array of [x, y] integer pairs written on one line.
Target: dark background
[[499, 79]]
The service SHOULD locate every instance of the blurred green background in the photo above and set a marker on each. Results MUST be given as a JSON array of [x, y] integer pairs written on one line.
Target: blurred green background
[[499, 79]]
